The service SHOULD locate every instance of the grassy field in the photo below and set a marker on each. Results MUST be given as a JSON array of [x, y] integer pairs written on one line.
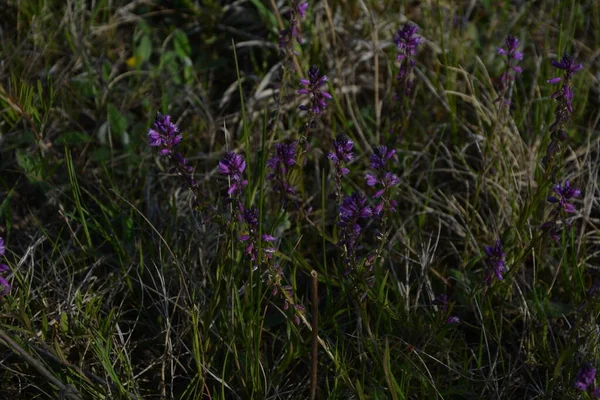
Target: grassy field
[[190, 210]]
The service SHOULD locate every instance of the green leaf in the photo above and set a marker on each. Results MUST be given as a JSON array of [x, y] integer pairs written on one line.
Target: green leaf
[[144, 48], [182, 44], [118, 123], [29, 164]]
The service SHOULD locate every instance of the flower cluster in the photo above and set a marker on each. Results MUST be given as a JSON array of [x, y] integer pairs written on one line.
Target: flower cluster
[[564, 195], [282, 160], [495, 260], [353, 209], [511, 57], [586, 378], [442, 301], [342, 153], [295, 15], [312, 86], [407, 41], [252, 239], [565, 93], [4, 285], [165, 135], [562, 113], [382, 180], [233, 166]]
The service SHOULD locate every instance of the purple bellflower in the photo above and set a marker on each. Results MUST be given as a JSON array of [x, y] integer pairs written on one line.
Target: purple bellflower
[[233, 166], [565, 93], [312, 86], [495, 261], [585, 377]]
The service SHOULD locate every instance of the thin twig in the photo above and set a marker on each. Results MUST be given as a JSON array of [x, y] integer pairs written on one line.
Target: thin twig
[[315, 336], [69, 391]]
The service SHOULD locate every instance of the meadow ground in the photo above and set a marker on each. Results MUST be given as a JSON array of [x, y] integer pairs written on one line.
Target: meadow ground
[[183, 193]]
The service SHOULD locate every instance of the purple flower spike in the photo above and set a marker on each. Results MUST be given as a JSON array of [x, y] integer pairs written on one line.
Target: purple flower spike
[[567, 64], [585, 377], [407, 41], [233, 166], [495, 261], [301, 8], [511, 48], [4, 285], [287, 36], [164, 134], [312, 86], [285, 156], [441, 300], [380, 157], [342, 146], [511, 57], [354, 207], [565, 193]]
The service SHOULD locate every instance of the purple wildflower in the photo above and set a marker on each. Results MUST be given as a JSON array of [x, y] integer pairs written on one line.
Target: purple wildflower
[[585, 377], [164, 134], [511, 57], [388, 181], [441, 300], [511, 48], [380, 157], [565, 193], [495, 261], [284, 157], [233, 166], [353, 209], [567, 64], [250, 217], [342, 152], [406, 41], [287, 36], [312, 86], [453, 319], [4, 285]]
